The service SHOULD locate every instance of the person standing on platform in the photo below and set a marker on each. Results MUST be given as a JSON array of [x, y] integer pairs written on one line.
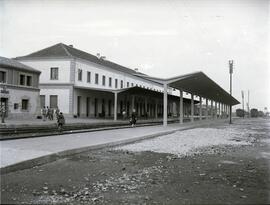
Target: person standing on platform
[[133, 119]]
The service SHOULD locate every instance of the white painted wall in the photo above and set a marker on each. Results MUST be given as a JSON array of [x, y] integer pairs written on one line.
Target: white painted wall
[[16, 96], [101, 70], [63, 98], [45, 67]]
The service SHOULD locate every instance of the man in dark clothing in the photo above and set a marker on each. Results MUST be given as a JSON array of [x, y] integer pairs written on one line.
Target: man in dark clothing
[[133, 119], [60, 121]]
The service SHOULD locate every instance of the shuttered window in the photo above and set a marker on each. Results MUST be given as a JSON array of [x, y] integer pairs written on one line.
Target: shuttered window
[[53, 101]]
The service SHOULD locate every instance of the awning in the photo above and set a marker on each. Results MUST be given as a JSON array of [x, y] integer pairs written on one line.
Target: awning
[[135, 90], [198, 84], [151, 93]]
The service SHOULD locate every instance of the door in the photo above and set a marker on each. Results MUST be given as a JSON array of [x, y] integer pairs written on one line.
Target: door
[[87, 106], [96, 107], [4, 104], [78, 106], [109, 107], [103, 108], [53, 101]]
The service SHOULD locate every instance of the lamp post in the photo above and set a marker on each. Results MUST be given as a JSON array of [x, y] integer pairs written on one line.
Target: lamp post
[[231, 72]]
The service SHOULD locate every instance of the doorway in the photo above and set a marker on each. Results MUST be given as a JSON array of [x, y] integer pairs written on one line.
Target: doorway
[[109, 108], [96, 107], [87, 106], [4, 103], [78, 106]]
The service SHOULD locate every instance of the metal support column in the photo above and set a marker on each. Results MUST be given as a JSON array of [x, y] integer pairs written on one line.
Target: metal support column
[[216, 110], [192, 108], [181, 111], [200, 108], [206, 108], [211, 112], [165, 103], [115, 106], [219, 111]]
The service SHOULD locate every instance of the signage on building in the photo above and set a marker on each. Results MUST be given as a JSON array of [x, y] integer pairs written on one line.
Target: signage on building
[[4, 93]]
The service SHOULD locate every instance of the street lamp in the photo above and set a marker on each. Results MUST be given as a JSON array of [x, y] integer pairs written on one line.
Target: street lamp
[[231, 72]]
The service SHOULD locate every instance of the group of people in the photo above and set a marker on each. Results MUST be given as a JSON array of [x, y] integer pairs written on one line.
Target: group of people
[[48, 113]]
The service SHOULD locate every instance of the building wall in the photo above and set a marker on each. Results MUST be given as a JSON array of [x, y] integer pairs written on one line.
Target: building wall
[[68, 78], [64, 69], [92, 95], [63, 93], [15, 96], [107, 72]]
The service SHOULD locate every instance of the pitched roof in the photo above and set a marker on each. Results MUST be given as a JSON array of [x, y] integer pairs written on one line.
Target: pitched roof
[[62, 50], [6, 62]]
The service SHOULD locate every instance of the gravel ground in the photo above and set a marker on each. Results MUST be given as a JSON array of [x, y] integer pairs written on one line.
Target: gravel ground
[[235, 171]]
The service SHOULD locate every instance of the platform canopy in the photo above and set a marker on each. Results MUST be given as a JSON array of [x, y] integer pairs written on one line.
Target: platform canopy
[[198, 84]]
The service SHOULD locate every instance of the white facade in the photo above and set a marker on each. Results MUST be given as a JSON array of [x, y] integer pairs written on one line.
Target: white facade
[[70, 85], [44, 66], [126, 78]]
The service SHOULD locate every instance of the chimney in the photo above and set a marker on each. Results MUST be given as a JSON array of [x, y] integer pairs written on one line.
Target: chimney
[[70, 45], [102, 57]]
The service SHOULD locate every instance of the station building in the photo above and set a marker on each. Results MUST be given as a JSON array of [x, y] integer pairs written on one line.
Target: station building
[[85, 85], [19, 91]]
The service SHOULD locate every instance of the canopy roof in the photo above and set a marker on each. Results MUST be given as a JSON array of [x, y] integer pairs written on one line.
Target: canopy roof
[[199, 84], [151, 93], [137, 91]]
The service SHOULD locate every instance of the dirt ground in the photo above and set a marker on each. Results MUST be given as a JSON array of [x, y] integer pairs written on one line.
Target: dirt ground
[[218, 175]]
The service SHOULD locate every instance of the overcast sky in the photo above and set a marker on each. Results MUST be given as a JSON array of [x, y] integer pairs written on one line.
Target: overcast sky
[[162, 38]]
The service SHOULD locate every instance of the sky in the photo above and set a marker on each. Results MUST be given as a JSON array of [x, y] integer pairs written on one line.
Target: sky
[[162, 38]]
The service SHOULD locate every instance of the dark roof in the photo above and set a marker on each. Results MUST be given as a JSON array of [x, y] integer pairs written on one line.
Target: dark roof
[[199, 84], [6, 62], [65, 51], [152, 93]]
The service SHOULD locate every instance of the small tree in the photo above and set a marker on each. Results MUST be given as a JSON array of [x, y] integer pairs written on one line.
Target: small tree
[[240, 113], [254, 112]]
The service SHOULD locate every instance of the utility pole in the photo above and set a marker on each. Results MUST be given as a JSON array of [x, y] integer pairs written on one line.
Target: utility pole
[[248, 105], [231, 72], [243, 102]]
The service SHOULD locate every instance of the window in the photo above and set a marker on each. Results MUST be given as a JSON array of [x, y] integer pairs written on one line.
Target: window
[[16, 106], [116, 82], [29, 80], [22, 79], [121, 84], [3, 77], [132, 84], [25, 104], [127, 84], [54, 73], [53, 101], [110, 82], [80, 74], [96, 78], [103, 80], [88, 77]]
